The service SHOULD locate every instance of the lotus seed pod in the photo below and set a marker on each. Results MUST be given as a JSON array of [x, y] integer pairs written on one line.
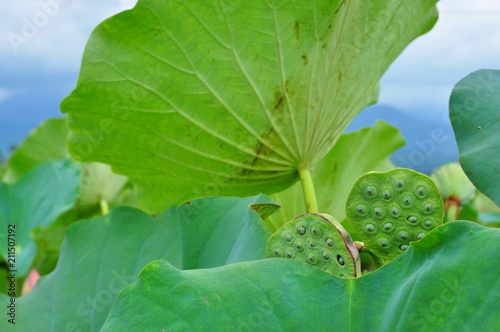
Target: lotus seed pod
[[391, 209], [318, 240]]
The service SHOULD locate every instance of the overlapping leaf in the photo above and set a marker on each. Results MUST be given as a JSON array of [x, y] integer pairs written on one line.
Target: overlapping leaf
[[192, 98], [45, 143], [101, 256], [437, 285], [475, 116], [35, 201]]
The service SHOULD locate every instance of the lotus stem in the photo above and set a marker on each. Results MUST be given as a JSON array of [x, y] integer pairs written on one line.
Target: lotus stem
[[104, 206], [308, 188]]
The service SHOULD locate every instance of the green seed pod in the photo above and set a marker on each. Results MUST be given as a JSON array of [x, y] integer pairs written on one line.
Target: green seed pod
[[321, 242], [371, 191], [301, 230], [316, 231], [378, 212], [405, 199], [387, 194], [394, 211], [370, 228], [329, 242], [412, 219]]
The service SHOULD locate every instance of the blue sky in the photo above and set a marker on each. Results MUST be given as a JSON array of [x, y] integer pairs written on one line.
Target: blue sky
[[37, 73]]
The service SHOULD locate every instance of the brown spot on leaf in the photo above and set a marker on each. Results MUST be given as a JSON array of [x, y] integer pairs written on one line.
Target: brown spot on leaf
[[279, 103], [340, 6], [296, 28], [305, 60]]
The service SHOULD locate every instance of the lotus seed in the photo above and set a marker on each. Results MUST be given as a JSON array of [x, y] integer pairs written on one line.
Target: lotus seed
[[340, 260], [311, 258], [289, 254], [370, 228], [301, 230], [428, 207], [403, 235], [403, 247], [361, 208], [407, 201], [428, 223], [370, 191], [394, 211], [277, 252], [316, 231], [288, 238], [412, 219], [325, 256], [299, 245], [388, 226], [387, 194], [421, 191], [312, 244], [420, 236], [383, 242], [378, 212], [400, 183], [329, 242]]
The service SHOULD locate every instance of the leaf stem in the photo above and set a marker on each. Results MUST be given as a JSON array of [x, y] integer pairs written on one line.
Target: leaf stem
[[308, 188], [451, 215], [104, 206]]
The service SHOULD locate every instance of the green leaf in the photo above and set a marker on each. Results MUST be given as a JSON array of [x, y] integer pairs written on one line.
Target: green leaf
[[35, 201], [367, 149], [44, 143], [475, 114], [101, 256], [231, 97], [437, 285], [219, 231]]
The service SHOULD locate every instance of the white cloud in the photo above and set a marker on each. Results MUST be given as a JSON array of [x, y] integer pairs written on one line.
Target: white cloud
[[5, 94], [52, 33], [465, 38]]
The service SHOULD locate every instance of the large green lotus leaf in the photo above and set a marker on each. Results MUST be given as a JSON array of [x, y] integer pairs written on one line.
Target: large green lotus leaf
[[101, 256], [35, 201], [45, 143], [475, 116], [202, 98], [365, 150], [446, 282]]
